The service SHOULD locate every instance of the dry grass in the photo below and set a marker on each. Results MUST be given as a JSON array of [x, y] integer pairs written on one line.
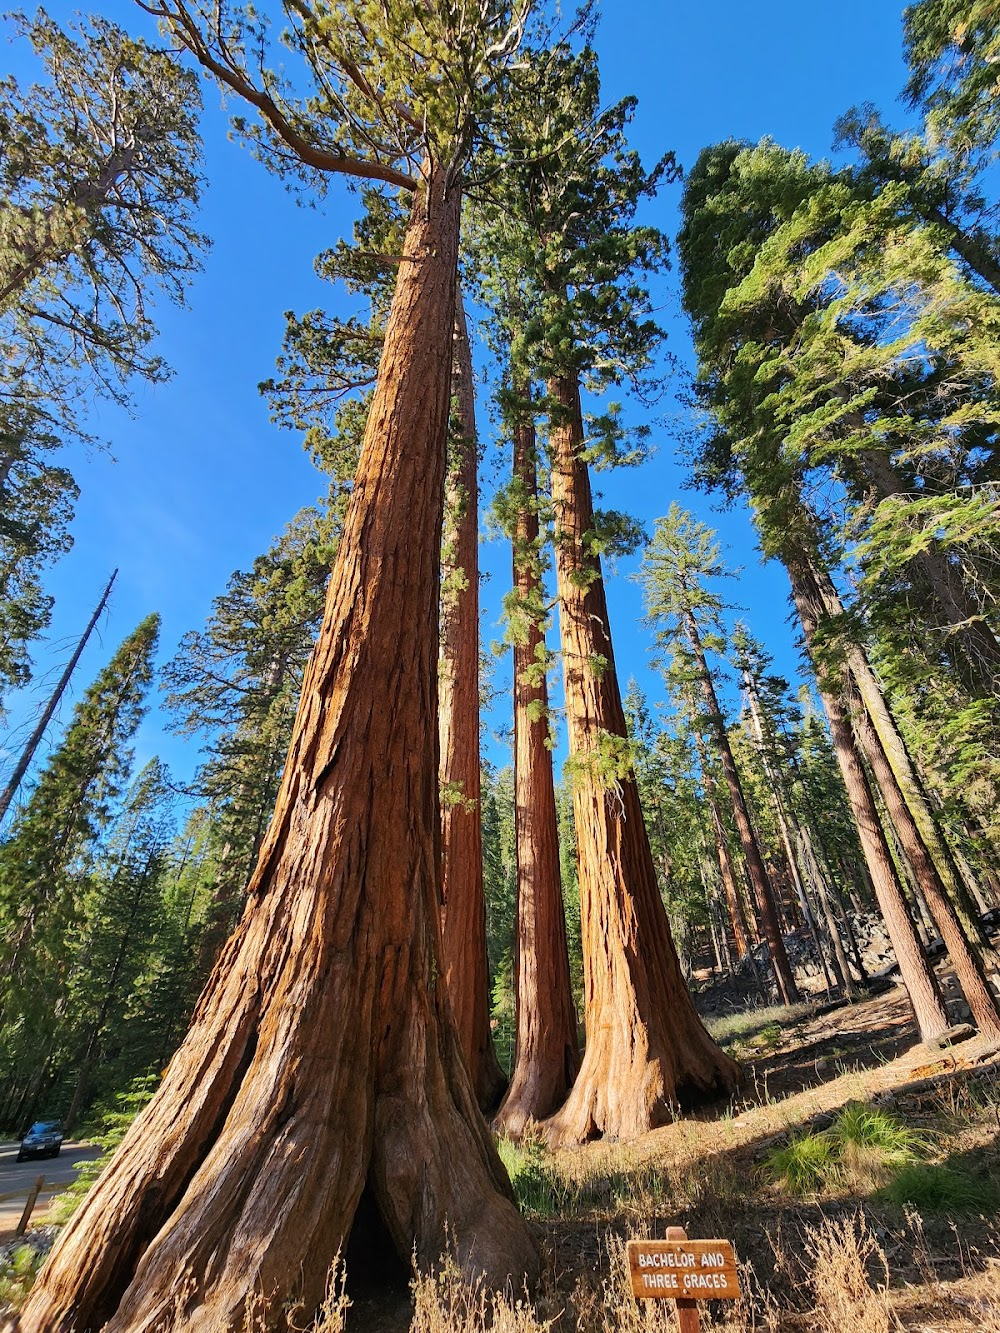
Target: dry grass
[[847, 1292], [444, 1303], [843, 1253]]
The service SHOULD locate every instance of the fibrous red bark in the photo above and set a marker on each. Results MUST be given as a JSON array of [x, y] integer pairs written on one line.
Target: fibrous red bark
[[463, 903], [647, 1051], [323, 1059], [547, 1053]]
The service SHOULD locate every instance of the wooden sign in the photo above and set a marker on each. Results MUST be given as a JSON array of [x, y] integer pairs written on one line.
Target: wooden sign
[[685, 1271]]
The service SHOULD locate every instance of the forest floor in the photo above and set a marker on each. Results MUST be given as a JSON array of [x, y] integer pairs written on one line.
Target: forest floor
[[857, 1175]]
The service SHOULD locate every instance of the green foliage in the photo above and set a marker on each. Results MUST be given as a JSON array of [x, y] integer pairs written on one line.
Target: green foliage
[[109, 1125], [98, 187], [847, 364], [561, 258], [361, 88], [863, 1131], [804, 1165], [941, 1189], [674, 814], [238, 682], [36, 507], [608, 763], [99, 183], [539, 1190], [952, 47], [18, 1271], [47, 891], [862, 1147], [500, 890]]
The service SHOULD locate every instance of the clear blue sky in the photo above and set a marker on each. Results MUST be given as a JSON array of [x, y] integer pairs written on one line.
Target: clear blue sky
[[198, 482]]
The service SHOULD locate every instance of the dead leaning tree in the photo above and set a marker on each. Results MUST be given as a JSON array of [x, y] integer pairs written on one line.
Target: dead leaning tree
[[322, 1065]]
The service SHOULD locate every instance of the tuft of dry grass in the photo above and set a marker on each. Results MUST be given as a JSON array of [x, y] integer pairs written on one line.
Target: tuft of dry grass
[[842, 1253], [444, 1303]]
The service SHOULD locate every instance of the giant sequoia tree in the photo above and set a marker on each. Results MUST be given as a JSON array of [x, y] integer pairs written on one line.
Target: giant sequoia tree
[[547, 1055], [564, 229], [322, 1064], [463, 908]]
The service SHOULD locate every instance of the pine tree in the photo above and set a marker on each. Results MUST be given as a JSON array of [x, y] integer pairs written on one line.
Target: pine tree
[[36, 507], [120, 917], [952, 48], [773, 720], [769, 435], [44, 858], [237, 682], [677, 566], [98, 186]]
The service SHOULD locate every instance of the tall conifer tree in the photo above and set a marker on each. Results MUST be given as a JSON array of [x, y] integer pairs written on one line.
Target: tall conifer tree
[[323, 1060], [43, 860]]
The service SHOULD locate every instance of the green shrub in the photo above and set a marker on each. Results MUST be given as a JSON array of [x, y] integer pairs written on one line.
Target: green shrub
[[871, 1142], [863, 1145], [805, 1164], [18, 1271]]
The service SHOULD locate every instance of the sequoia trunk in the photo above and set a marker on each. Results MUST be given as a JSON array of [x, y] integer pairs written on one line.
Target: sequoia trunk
[[463, 902], [547, 1052], [323, 1058], [647, 1050]]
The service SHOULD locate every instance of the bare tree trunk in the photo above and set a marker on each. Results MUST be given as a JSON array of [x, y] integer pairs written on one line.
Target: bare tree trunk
[[737, 916], [463, 901], [763, 890], [823, 894], [904, 773], [917, 974], [547, 1052], [787, 826], [967, 964], [323, 1059], [647, 1050], [734, 903], [33, 741]]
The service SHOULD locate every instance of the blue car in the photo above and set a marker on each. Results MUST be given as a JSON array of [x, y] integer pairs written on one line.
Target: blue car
[[43, 1139]]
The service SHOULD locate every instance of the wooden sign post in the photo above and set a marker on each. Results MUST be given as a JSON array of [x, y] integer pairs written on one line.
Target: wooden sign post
[[685, 1271]]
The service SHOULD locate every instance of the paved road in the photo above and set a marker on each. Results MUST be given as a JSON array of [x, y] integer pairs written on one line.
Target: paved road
[[17, 1178]]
